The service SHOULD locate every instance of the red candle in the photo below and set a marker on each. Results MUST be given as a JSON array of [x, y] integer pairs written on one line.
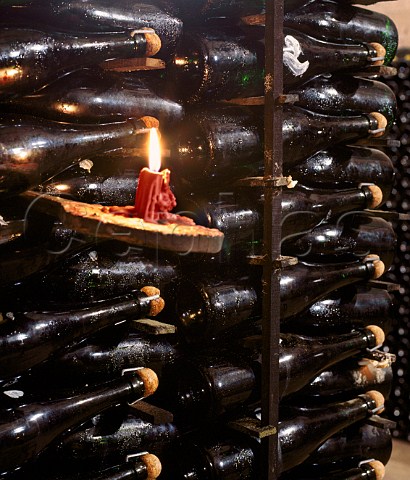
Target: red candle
[[154, 198]]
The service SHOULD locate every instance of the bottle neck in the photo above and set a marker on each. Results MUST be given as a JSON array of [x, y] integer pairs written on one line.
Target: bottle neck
[[346, 167], [318, 57], [21, 141], [315, 132], [347, 309], [303, 209], [362, 96], [352, 238], [96, 361], [46, 421], [307, 428], [347, 380], [303, 284], [100, 445], [302, 358], [350, 444], [337, 22], [60, 329]]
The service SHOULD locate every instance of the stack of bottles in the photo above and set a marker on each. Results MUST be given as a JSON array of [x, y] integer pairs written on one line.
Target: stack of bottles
[[397, 340], [91, 385]]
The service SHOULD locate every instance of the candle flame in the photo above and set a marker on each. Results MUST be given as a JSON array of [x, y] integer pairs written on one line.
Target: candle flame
[[154, 150]]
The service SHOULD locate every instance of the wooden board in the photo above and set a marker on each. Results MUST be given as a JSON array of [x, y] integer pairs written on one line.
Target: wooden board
[[92, 220]]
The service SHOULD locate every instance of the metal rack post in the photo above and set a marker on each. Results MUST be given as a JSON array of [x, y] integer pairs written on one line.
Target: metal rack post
[[272, 235]]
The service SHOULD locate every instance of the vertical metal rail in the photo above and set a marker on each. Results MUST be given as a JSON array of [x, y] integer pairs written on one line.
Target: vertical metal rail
[[272, 235]]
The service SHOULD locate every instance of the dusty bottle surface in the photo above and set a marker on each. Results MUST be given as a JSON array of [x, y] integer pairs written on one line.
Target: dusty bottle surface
[[34, 149], [95, 96], [25, 344], [42, 423], [29, 58]]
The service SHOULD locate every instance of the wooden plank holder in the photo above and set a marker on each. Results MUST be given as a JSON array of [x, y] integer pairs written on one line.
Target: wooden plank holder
[[132, 64], [153, 327], [94, 220], [380, 422], [252, 427], [388, 286], [282, 99], [151, 413]]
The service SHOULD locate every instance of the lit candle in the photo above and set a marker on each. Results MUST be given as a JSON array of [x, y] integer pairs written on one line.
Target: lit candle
[[154, 198]]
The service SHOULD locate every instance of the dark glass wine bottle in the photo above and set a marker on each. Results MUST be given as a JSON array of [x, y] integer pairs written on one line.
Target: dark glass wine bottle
[[348, 95], [371, 470], [98, 360], [28, 429], [34, 149], [205, 385], [338, 21], [235, 455], [206, 307], [239, 217], [225, 144], [344, 309], [109, 444], [224, 64], [96, 272], [30, 58], [346, 166], [29, 338], [347, 379], [91, 96], [89, 188], [350, 446], [145, 466], [96, 16], [352, 236]]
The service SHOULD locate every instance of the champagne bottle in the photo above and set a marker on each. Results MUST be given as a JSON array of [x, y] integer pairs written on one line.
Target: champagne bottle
[[348, 95], [29, 338], [89, 188], [30, 58], [145, 466], [351, 236], [372, 470], [294, 443], [108, 444], [97, 16], [346, 166], [35, 149], [30, 428], [208, 456], [96, 272], [239, 216], [215, 64], [98, 360], [350, 446], [338, 21], [347, 379], [205, 385], [206, 307], [350, 307], [91, 96], [226, 144]]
